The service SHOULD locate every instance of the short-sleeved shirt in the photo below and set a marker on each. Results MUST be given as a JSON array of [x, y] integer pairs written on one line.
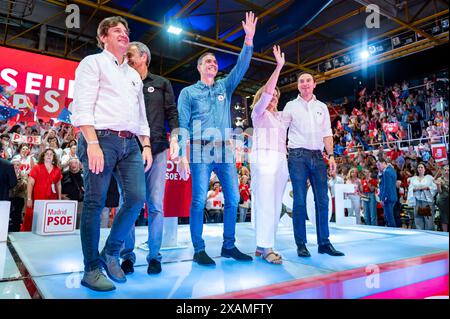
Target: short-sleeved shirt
[[44, 180]]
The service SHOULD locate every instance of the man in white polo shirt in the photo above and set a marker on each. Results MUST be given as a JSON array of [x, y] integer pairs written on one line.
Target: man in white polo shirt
[[108, 107], [309, 132]]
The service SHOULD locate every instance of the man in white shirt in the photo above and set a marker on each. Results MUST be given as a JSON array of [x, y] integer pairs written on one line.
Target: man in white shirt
[[309, 132], [108, 107]]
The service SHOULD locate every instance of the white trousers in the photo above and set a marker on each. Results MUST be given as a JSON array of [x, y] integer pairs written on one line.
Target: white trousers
[[269, 176], [356, 208]]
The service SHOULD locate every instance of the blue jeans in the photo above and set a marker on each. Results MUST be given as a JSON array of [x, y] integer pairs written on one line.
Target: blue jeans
[[305, 164], [370, 209], [122, 158], [200, 174], [242, 214], [389, 214], [155, 184]]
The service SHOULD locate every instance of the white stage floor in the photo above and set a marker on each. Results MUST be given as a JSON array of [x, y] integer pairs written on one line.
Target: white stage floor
[[55, 264]]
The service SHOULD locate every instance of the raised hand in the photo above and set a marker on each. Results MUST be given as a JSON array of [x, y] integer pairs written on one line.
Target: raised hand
[[279, 56], [249, 25]]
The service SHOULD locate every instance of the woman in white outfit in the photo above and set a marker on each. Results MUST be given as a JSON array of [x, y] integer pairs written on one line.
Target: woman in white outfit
[[269, 165], [355, 198], [421, 193]]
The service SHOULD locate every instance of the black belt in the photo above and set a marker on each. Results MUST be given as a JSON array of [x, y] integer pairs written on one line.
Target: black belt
[[124, 134]]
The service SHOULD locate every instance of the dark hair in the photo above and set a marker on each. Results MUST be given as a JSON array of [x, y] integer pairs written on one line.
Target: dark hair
[[19, 149], [5, 135], [304, 72], [200, 59], [54, 138], [55, 161], [382, 160], [105, 25]]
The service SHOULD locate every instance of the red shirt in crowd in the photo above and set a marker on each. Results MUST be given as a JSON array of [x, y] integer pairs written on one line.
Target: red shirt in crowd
[[45, 188], [394, 154], [244, 190], [43, 182], [365, 184]]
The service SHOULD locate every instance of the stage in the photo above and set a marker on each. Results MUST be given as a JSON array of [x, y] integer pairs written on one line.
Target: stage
[[380, 263]]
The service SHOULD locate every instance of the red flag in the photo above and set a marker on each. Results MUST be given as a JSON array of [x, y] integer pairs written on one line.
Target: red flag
[[50, 103], [352, 143]]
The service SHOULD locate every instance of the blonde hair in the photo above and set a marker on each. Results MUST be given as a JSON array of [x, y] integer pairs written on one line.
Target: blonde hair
[[259, 93], [349, 175]]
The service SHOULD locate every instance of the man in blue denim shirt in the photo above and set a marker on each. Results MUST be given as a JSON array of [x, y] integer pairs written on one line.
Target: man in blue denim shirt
[[204, 112]]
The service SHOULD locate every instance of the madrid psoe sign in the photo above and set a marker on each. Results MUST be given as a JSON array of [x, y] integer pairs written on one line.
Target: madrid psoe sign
[[54, 217]]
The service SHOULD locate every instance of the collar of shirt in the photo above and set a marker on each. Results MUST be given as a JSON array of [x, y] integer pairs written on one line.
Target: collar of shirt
[[114, 59], [202, 85], [301, 99]]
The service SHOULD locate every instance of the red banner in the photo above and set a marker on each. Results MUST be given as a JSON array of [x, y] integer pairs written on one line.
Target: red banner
[[178, 193], [31, 72], [439, 152], [50, 103]]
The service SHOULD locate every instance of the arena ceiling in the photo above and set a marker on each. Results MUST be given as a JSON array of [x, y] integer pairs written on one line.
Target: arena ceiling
[[324, 37]]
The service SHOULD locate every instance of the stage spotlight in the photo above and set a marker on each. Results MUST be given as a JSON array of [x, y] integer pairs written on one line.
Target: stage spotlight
[[328, 66], [346, 59], [364, 54], [445, 24], [174, 30], [372, 49]]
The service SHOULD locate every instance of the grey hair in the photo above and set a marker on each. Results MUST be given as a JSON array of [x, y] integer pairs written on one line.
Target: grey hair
[[143, 49]]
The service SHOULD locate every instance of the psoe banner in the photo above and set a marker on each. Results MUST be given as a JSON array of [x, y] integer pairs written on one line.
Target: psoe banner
[[19, 139], [439, 152], [31, 73], [54, 217]]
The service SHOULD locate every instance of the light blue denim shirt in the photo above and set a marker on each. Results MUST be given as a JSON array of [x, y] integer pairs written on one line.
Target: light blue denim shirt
[[202, 108]]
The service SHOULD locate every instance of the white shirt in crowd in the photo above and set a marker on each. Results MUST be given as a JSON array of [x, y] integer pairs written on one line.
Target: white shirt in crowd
[[344, 119], [415, 182], [310, 123], [215, 202], [108, 95]]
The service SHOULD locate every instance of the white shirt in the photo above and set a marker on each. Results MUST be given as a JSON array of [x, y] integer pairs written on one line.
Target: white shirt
[[108, 95], [310, 123], [415, 182], [215, 202]]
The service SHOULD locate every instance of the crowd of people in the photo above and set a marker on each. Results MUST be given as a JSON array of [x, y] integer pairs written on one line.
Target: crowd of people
[[359, 141]]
